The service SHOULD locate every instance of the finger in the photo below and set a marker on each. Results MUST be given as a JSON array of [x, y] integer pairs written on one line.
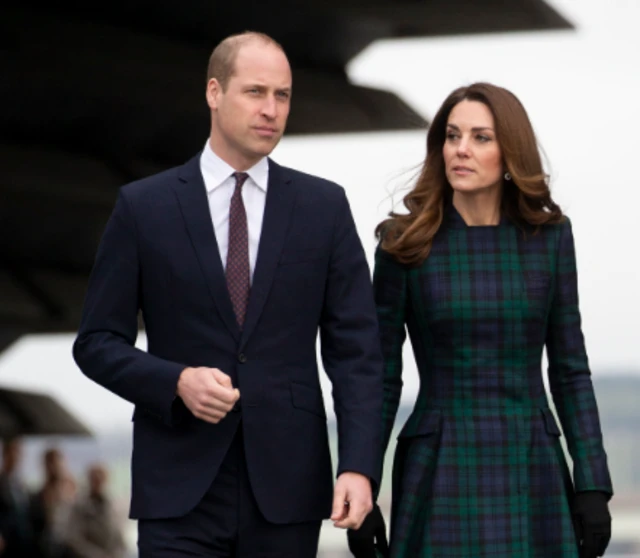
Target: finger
[[206, 413], [222, 378], [589, 550], [225, 394], [216, 398], [603, 542], [346, 523], [339, 510], [589, 544], [212, 404], [211, 414], [339, 514], [577, 527], [358, 512], [355, 515]]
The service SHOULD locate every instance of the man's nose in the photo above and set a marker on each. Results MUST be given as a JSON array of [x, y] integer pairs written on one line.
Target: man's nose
[[270, 108]]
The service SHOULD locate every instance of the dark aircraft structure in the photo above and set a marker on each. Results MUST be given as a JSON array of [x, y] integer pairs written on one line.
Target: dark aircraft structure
[[96, 94]]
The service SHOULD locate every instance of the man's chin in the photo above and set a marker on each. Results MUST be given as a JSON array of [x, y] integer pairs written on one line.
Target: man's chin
[[265, 147]]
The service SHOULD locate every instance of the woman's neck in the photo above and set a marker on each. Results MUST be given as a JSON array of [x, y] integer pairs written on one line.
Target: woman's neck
[[478, 208]]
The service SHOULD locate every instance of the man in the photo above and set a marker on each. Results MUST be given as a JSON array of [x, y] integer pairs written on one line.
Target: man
[[94, 530], [236, 263], [52, 503], [16, 525]]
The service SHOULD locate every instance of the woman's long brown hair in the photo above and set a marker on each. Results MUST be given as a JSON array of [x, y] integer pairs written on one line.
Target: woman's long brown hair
[[526, 199]]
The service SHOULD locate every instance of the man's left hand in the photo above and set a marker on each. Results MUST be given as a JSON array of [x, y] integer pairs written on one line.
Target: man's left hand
[[352, 500]]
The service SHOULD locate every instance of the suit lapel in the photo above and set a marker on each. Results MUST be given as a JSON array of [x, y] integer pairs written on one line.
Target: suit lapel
[[277, 213], [192, 197]]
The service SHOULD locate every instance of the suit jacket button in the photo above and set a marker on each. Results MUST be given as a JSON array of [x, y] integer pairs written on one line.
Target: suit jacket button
[[242, 358]]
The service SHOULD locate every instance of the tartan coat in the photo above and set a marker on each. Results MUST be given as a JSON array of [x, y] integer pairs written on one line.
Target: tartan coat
[[479, 470]]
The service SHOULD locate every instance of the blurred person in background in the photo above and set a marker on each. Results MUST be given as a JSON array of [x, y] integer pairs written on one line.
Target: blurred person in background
[[481, 271], [94, 529], [17, 538], [236, 265], [52, 504]]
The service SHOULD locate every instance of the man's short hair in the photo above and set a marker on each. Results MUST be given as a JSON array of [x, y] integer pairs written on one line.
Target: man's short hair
[[223, 58]]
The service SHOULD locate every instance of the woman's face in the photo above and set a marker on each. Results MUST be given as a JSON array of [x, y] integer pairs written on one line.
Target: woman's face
[[472, 155]]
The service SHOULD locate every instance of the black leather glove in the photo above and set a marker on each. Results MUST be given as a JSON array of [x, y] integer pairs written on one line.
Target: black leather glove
[[592, 522], [371, 537]]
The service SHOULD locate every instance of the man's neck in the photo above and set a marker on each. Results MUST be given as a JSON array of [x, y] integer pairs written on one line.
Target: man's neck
[[236, 161]]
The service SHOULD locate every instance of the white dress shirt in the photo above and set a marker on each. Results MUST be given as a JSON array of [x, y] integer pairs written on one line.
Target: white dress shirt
[[220, 185]]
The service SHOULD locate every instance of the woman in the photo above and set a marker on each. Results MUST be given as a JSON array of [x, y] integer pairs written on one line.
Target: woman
[[482, 272]]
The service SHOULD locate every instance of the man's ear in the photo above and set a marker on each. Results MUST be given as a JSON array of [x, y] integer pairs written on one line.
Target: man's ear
[[213, 92]]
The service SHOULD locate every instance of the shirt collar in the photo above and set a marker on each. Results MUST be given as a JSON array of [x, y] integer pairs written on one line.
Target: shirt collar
[[216, 171]]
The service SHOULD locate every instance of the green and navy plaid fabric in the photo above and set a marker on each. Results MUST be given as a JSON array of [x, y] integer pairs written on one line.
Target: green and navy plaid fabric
[[479, 470]]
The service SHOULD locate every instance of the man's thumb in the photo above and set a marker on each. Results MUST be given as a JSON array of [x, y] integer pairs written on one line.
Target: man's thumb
[[337, 511]]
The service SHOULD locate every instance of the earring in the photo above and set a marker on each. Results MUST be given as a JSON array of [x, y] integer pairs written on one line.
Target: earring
[[507, 176]]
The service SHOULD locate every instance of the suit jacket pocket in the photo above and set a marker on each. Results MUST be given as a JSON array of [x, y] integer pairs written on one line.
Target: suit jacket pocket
[[422, 422], [308, 399]]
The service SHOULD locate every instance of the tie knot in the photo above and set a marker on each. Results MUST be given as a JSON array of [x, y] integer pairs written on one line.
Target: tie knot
[[240, 178]]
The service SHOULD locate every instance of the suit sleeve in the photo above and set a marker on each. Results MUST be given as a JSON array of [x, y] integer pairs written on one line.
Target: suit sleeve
[[104, 348], [390, 291], [570, 377], [350, 349]]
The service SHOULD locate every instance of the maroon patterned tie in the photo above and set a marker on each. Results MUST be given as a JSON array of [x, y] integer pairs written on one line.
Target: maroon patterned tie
[[237, 272]]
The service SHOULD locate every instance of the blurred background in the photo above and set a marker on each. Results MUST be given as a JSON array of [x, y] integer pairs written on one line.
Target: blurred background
[[96, 96]]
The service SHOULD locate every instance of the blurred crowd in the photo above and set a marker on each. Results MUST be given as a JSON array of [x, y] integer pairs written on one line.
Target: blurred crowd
[[59, 519]]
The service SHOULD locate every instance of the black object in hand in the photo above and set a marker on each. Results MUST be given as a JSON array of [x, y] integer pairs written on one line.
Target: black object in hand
[[592, 522], [371, 537]]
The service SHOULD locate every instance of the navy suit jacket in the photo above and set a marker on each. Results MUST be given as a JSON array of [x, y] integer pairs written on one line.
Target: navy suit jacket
[[159, 256]]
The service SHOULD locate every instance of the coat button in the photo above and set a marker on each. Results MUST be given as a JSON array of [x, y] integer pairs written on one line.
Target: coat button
[[242, 358]]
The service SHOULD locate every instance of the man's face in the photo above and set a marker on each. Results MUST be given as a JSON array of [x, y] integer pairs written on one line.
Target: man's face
[[54, 465], [249, 117], [97, 480], [11, 454]]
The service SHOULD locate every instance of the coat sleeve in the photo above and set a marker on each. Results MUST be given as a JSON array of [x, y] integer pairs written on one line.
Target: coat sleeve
[[390, 292], [350, 349], [570, 376], [104, 348]]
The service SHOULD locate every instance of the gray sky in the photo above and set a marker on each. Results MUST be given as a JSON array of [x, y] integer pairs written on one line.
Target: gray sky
[[581, 91]]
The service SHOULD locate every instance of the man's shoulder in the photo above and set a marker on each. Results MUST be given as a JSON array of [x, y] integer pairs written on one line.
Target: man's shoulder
[[163, 181], [153, 184], [310, 180]]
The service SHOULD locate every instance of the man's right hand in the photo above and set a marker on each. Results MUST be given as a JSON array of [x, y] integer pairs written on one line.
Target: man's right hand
[[207, 393]]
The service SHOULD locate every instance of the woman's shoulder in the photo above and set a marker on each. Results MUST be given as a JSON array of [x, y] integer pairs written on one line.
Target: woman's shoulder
[[558, 229], [552, 229]]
